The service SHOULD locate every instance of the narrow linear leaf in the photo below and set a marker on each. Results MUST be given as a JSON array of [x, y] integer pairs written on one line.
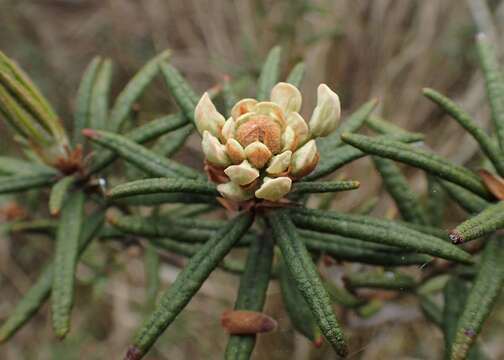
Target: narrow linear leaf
[[387, 280], [252, 293], [431, 310], [59, 193], [82, 106], [39, 292], [270, 73], [486, 222], [184, 95], [152, 267], [304, 273], [323, 187], [494, 82], [342, 296], [65, 262], [384, 232], [162, 185], [436, 201], [487, 145], [40, 226], [160, 199], [187, 284], [384, 127], [455, 296], [169, 144], [398, 187], [14, 166], [100, 93], [228, 96], [481, 298], [18, 183], [296, 74], [139, 155], [420, 158], [133, 90]]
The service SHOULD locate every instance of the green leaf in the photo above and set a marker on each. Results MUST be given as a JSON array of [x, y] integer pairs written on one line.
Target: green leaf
[[297, 308], [65, 262], [170, 143], [59, 193], [387, 280], [184, 95], [431, 310], [379, 231], [252, 293], [342, 296], [141, 134], [399, 189], [436, 201], [420, 158], [296, 75], [494, 82], [100, 93], [140, 156], [188, 282], [18, 183], [133, 90], [42, 226], [481, 298], [305, 187], [162, 185], [455, 296], [36, 296], [82, 107], [160, 199], [469, 201], [14, 166], [270, 73], [487, 145], [385, 127], [152, 280], [229, 96], [307, 280], [486, 222]]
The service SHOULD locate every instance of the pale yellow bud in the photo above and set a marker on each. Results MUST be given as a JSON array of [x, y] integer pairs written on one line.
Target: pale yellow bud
[[207, 118], [296, 122], [287, 96], [242, 107], [228, 129], [289, 139], [234, 192], [214, 151], [279, 163], [242, 174], [274, 189], [235, 151], [304, 159], [272, 110], [258, 154], [327, 113]]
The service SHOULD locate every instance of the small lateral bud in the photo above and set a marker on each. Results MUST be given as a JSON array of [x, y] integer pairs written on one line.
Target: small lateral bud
[[214, 151], [207, 118], [244, 322], [326, 116]]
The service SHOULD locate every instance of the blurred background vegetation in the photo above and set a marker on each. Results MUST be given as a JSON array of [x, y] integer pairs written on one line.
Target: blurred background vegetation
[[388, 49]]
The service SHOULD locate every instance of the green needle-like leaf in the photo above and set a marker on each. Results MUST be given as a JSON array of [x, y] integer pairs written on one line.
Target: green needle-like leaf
[[65, 262], [379, 231], [152, 280], [100, 93], [436, 201], [387, 280], [494, 82], [36, 296], [469, 201], [140, 156], [420, 158], [398, 187], [323, 187], [59, 193], [14, 184], [82, 106], [489, 147], [162, 185], [170, 143], [270, 73], [486, 222], [187, 283], [133, 90], [15, 166], [307, 280], [252, 293], [481, 298], [296, 74]]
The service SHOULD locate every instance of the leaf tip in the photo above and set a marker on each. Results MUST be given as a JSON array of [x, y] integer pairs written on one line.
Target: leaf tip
[[133, 353], [318, 341], [456, 237], [90, 133]]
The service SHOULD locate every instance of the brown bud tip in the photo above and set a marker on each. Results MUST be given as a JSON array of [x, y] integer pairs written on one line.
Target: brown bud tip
[[133, 354], [318, 341], [328, 261], [90, 133], [456, 237], [243, 322]]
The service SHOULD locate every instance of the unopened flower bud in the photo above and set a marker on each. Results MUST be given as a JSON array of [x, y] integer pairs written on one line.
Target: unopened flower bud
[[234, 192], [279, 163], [258, 154], [287, 96], [228, 130], [327, 113], [299, 125], [214, 151], [207, 118], [235, 151], [289, 139], [272, 110], [304, 159], [242, 174], [274, 189], [242, 107]]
